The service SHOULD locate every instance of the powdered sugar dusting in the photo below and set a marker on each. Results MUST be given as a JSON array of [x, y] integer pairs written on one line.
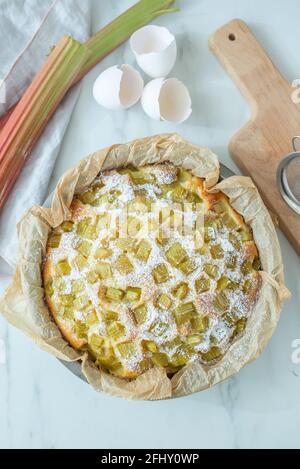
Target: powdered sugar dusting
[[160, 325]]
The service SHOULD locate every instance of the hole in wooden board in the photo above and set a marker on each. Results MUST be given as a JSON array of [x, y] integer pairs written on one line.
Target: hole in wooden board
[[231, 37]]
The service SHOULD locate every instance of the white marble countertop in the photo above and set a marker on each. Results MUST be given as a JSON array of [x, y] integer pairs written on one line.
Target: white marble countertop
[[42, 405]]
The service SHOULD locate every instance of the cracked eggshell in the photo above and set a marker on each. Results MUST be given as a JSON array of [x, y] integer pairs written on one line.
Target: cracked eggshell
[[167, 100], [118, 87], [155, 50]]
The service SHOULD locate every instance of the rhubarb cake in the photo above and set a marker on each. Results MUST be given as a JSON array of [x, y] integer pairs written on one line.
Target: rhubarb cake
[[151, 270]]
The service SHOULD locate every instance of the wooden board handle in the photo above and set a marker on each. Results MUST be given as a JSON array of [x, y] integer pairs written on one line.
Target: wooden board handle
[[246, 62]]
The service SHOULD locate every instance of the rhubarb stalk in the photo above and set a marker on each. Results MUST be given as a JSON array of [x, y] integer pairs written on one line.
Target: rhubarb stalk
[[120, 29], [66, 65], [35, 108]]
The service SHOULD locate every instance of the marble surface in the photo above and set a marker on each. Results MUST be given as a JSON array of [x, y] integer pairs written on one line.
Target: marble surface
[[42, 405]]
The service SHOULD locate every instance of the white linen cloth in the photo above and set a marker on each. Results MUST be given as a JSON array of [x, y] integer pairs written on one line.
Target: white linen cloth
[[27, 32]]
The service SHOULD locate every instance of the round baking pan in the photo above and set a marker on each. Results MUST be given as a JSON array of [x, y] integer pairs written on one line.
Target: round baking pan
[[75, 367]]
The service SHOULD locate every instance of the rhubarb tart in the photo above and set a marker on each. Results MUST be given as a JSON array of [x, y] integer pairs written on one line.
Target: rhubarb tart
[[151, 270]]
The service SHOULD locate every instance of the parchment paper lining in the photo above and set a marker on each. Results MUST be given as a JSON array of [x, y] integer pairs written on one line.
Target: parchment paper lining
[[23, 302]]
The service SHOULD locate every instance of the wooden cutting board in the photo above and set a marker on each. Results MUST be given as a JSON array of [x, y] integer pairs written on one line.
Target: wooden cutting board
[[260, 145]]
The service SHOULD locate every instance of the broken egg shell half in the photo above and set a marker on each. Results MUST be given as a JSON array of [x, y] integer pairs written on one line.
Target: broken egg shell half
[[118, 87], [167, 100], [155, 50]]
